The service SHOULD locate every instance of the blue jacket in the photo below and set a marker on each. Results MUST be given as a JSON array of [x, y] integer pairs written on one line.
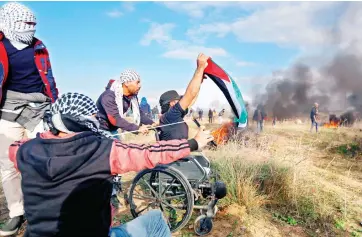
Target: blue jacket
[[42, 62]]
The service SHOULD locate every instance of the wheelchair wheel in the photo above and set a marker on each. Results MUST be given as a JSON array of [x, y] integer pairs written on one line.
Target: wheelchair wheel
[[163, 188]]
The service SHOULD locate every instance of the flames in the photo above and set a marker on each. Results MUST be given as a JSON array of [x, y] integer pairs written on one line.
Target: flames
[[332, 124], [222, 134]]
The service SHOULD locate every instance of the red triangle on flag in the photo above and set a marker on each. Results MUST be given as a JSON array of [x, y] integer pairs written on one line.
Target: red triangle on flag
[[213, 69]]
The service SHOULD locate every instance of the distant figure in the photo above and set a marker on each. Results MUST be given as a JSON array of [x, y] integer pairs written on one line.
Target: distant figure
[[155, 113], [221, 114], [274, 121], [210, 114], [247, 110], [145, 107], [259, 116], [200, 114], [191, 113], [313, 117]]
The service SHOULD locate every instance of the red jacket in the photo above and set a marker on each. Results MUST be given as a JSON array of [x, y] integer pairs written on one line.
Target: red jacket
[[42, 62]]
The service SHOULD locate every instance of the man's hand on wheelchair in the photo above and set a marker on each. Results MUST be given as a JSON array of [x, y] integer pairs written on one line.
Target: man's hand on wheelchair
[[203, 137]]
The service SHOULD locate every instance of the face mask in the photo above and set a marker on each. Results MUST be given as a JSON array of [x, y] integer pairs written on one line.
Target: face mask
[[25, 37], [15, 19]]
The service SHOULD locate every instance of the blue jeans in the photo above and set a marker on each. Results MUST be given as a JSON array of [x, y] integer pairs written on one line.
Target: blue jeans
[[150, 224]]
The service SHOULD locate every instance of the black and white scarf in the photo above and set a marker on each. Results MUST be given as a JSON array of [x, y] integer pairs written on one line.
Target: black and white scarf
[[73, 112], [17, 22], [126, 76]]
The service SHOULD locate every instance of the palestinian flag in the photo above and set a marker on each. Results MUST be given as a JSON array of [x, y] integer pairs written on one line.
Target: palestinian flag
[[231, 91]]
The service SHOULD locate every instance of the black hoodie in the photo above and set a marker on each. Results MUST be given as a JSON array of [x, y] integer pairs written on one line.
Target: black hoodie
[[67, 181], [70, 176]]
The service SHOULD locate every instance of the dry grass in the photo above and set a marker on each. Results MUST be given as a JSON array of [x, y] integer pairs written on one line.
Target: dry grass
[[290, 177], [286, 181]]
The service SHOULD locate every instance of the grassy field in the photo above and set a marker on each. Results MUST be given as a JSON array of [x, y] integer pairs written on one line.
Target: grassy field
[[287, 181]]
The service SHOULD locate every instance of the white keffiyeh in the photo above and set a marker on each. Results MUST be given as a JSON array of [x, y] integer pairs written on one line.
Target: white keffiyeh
[[14, 22], [127, 76]]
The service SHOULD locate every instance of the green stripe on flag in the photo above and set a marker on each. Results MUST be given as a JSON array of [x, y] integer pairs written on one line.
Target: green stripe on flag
[[243, 117]]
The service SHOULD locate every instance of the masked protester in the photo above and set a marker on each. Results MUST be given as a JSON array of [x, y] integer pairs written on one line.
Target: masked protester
[[114, 103], [67, 174], [175, 107], [27, 88]]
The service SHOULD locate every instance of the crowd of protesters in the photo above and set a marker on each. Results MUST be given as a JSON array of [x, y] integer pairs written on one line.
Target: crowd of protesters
[[59, 154]]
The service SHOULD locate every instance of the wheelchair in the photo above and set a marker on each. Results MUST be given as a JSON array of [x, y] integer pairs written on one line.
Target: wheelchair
[[177, 189]]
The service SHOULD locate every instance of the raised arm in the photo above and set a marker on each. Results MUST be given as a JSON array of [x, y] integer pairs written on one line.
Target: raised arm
[[133, 157], [193, 88]]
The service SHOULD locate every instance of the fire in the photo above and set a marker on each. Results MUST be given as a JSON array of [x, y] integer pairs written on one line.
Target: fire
[[221, 135], [332, 124]]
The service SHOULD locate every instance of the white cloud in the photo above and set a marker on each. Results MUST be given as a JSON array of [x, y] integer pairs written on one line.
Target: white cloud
[[194, 9], [159, 33], [286, 24], [176, 49], [191, 52], [245, 64], [114, 13], [128, 6], [198, 9], [348, 36]]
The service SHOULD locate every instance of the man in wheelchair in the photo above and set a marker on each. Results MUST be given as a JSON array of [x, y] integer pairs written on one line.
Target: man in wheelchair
[[194, 168], [175, 107], [67, 174]]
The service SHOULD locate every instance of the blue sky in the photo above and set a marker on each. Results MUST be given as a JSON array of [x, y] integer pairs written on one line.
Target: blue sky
[[91, 42]]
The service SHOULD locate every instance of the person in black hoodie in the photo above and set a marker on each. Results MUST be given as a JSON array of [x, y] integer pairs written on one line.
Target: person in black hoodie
[[67, 173]]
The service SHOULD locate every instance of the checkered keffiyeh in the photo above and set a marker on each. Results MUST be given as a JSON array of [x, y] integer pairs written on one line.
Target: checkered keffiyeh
[[74, 104], [79, 109], [127, 76], [14, 22]]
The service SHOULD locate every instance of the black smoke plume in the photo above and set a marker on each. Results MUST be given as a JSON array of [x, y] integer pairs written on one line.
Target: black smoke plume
[[337, 85], [332, 78]]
